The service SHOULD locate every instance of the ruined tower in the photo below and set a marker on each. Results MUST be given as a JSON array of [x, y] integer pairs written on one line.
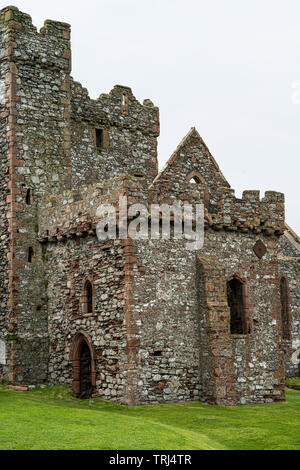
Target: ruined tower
[[130, 320]]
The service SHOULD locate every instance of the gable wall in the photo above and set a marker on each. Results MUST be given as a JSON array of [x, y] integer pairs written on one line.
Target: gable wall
[[193, 155]]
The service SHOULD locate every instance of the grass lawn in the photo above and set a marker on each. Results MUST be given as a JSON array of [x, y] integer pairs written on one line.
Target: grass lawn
[[51, 419]]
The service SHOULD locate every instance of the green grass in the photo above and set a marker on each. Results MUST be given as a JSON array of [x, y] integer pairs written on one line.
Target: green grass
[[52, 419], [292, 380]]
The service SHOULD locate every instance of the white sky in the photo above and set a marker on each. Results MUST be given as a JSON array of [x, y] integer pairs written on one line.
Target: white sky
[[226, 67]]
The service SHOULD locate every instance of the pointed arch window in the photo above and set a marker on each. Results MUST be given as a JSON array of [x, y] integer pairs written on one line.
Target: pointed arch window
[[285, 308], [237, 299], [195, 178], [88, 298]]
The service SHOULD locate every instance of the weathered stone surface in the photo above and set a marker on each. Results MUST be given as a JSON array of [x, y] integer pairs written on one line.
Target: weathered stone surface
[[157, 325], [289, 268], [18, 388]]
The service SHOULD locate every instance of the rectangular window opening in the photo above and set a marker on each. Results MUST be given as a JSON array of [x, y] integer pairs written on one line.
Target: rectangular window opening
[[99, 138], [157, 353]]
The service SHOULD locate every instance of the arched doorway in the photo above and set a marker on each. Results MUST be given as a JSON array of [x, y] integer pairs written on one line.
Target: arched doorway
[[85, 371], [83, 361]]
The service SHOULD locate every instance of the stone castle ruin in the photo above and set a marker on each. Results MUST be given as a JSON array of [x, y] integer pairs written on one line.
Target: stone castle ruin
[[133, 321]]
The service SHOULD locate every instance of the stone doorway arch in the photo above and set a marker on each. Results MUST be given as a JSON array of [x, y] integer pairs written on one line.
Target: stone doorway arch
[[84, 370]]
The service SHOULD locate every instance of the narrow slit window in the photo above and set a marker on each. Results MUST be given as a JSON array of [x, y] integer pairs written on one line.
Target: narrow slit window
[[88, 300], [124, 102], [30, 254], [29, 197]]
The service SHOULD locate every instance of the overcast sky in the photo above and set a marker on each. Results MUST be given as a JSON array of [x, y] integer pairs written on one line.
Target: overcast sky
[[227, 67]]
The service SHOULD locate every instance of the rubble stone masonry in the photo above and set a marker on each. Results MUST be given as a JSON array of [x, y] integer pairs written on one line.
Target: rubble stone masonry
[[129, 320]]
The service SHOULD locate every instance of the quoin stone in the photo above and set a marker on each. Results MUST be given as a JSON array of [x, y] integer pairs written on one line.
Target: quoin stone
[[2, 353]]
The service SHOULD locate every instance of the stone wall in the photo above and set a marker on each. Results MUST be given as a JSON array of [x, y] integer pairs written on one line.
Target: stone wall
[[171, 323], [129, 142], [160, 327], [192, 158], [38, 66], [4, 232], [181, 347], [70, 264], [289, 267]]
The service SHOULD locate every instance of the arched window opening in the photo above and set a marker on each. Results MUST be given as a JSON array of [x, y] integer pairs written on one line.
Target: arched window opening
[[239, 324], [88, 298], [195, 178], [29, 197], [285, 310]]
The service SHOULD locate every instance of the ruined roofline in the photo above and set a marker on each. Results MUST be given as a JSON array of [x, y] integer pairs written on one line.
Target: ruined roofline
[[292, 232], [226, 189], [147, 103], [292, 237], [107, 110], [192, 131], [11, 18]]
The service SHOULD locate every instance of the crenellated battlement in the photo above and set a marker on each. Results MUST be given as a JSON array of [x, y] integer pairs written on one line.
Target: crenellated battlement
[[49, 47], [11, 18], [118, 108], [250, 213], [75, 210]]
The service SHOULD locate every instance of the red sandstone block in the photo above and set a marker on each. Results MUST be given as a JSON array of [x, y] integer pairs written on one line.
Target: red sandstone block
[[130, 250], [127, 242], [130, 260], [128, 270], [278, 374]]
